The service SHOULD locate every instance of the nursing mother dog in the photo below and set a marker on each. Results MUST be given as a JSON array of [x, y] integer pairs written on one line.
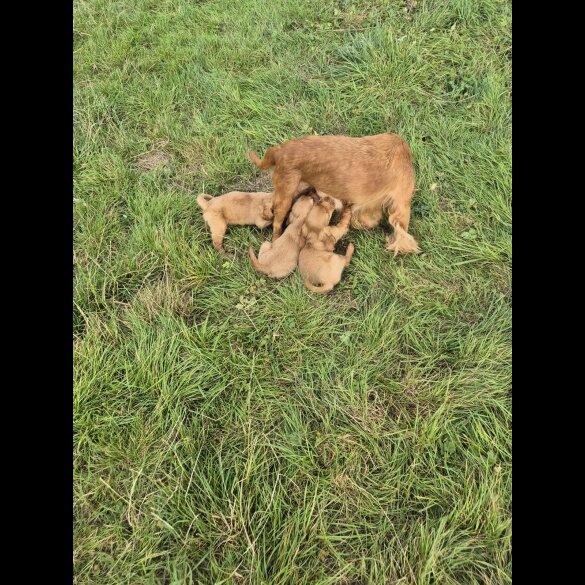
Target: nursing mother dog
[[374, 173]]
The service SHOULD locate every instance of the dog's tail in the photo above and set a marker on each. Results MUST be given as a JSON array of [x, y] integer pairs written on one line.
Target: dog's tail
[[267, 162], [255, 261], [203, 200], [318, 289]]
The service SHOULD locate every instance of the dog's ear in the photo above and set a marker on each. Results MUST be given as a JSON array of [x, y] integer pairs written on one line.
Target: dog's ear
[[267, 211]]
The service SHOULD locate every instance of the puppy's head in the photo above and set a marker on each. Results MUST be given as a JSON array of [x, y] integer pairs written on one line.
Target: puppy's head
[[301, 208], [320, 215]]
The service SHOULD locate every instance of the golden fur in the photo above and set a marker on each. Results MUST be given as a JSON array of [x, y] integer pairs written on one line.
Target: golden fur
[[375, 173], [318, 263], [234, 208], [279, 258]]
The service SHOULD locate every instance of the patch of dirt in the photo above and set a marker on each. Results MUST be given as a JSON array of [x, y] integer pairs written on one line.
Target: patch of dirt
[[152, 299], [444, 204], [465, 221], [152, 160], [262, 182], [410, 6]]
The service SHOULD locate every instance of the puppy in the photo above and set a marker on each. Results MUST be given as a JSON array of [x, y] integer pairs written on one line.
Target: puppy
[[278, 259], [317, 261], [375, 173], [317, 197], [234, 208]]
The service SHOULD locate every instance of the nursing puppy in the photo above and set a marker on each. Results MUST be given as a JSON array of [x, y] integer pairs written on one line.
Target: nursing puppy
[[317, 262], [278, 259], [375, 173], [317, 197], [234, 208]]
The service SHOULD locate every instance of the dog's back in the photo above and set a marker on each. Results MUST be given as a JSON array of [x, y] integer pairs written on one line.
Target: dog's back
[[352, 169], [374, 173]]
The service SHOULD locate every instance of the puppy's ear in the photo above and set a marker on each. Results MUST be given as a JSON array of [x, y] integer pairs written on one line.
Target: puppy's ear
[[267, 211]]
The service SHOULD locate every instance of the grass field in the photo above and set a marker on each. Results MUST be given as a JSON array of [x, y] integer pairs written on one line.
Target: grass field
[[230, 429]]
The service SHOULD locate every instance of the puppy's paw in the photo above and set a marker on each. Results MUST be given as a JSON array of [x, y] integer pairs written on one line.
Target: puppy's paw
[[347, 209]]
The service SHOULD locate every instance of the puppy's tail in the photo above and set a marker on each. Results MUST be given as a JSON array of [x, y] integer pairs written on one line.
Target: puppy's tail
[[267, 162], [203, 200], [255, 261], [318, 289]]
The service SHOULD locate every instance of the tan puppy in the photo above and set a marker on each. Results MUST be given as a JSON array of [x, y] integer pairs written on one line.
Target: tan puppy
[[278, 259], [375, 173], [234, 208], [317, 197], [317, 261]]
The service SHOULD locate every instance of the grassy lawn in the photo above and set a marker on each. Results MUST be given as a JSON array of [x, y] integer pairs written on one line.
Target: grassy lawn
[[231, 429]]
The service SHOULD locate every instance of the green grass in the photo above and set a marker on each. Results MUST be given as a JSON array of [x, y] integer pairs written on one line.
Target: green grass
[[230, 429]]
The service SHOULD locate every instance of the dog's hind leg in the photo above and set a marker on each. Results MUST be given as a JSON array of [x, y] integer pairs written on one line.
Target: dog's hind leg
[[217, 227], [401, 242]]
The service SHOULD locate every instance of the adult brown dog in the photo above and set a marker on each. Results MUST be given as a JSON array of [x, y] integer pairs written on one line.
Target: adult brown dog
[[374, 173]]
